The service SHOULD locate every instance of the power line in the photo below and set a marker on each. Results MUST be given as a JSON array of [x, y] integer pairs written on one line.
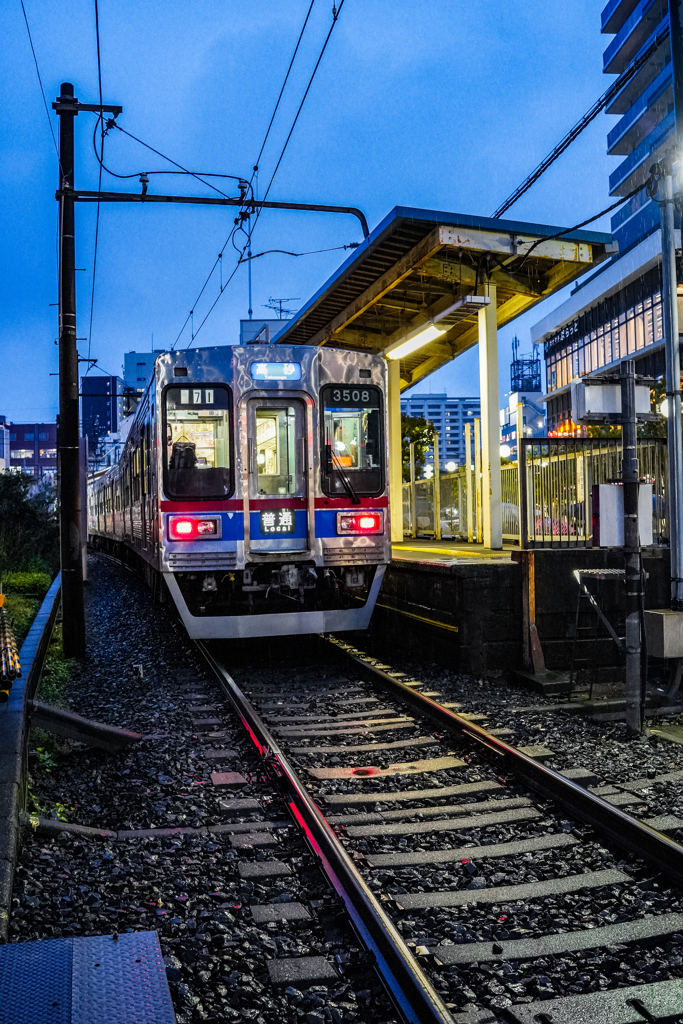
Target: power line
[[291, 64], [99, 181], [568, 231], [633, 68], [336, 11], [311, 252], [230, 238], [40, 81]]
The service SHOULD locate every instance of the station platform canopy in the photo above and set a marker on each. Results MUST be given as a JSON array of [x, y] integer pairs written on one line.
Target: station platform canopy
[[413, 289]]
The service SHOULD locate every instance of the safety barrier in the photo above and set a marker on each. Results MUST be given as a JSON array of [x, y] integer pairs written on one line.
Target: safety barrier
[[555, 508]]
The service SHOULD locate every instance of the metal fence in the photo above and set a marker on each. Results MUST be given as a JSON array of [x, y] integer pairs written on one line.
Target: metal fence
[[556, 508], [559, 475]]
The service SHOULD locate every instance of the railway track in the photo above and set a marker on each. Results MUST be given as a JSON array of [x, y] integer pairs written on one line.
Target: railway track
[[485, 885], [301, 830]]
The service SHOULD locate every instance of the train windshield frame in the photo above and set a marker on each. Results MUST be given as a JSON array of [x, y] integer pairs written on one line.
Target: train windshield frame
[[198, 460], [352, 457]]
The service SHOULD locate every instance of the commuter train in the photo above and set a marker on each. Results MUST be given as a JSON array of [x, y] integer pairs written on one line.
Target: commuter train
[[253, 489]]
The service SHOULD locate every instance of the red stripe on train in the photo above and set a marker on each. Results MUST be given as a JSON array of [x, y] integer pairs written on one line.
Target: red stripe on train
[[258, 504]]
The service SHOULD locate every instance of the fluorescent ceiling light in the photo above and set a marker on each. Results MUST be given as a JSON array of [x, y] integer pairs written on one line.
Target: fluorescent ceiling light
[[423, 337], [463, 309]]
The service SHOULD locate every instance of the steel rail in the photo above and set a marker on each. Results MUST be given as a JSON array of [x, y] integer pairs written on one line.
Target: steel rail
[[409, 989], [625, 831]]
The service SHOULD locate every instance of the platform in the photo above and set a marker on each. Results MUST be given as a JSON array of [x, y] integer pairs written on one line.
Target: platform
[[427, 550], [85, 981]]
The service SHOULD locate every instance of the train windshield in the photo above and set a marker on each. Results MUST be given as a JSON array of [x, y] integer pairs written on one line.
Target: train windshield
[[197, 462], [352, 441]]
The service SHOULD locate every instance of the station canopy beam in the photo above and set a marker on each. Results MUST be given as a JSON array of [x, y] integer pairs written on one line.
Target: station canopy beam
[[418, 265]]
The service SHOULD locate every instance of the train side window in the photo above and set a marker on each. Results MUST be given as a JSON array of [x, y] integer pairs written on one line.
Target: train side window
[[353, 441], [198, 432]]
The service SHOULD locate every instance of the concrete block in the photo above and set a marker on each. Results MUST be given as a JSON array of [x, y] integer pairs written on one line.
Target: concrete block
[[664, 632]]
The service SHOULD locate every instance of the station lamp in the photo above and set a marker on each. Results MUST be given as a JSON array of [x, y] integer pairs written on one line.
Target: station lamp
[[436, 326]]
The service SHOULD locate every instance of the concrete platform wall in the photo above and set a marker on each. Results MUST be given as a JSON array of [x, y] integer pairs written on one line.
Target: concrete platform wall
[[483, 602]]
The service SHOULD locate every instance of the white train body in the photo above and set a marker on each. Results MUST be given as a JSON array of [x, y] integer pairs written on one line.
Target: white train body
[[253, 489]]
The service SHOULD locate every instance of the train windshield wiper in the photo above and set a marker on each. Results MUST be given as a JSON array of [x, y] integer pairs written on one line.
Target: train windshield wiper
[[333, 463]]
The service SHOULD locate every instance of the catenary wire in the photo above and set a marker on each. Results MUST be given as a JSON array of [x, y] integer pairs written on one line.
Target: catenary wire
[[310, 252], [568, 231], [230, 238], [277, 105], [336, 11], [99, 180], [40, 81]]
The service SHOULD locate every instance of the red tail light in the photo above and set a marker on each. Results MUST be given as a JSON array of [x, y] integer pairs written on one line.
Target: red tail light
[[194, 527], [355, 523]]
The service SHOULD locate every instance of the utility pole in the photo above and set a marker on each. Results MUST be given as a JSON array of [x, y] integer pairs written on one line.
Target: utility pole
[[68, 107], [69, 463], [633, 580], [665, 201]]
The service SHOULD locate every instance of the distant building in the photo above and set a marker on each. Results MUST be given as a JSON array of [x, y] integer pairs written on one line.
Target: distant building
[[260, 332], [449, 416], [33, 449], [105, 402], [138, 367], [525, 388]]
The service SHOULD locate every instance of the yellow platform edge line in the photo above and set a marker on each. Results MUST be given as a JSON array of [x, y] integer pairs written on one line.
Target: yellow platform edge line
[[420, 618]]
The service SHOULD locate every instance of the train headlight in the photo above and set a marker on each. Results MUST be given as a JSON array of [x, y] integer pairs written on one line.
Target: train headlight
[[194, 527], [355, 523]]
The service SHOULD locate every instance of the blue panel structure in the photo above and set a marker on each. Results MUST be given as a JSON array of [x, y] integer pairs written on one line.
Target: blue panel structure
[[85, 981]]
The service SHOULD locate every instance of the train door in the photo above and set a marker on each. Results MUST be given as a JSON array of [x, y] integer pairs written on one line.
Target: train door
[[278, 474]]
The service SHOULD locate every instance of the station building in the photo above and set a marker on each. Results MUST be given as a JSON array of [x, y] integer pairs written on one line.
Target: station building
[[615, 313]]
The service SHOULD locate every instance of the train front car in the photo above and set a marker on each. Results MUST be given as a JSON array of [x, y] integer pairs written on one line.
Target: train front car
[[274, 507]]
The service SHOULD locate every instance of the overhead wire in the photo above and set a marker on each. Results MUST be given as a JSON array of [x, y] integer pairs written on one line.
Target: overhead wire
[[311, 252], [40, 80], [336, 11], [568, 231]]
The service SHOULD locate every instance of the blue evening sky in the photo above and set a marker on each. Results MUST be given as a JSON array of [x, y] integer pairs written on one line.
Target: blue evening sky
[[441, 104]]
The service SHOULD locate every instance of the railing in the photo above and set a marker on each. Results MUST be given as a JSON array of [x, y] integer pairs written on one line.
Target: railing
[[558, 474]]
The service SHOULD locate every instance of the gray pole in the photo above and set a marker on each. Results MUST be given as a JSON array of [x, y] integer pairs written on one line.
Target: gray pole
[[68, 439], [629, 480], [673, 388]]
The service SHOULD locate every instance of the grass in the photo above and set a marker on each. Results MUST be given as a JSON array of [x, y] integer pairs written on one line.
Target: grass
[[22, 610], [57, 671]]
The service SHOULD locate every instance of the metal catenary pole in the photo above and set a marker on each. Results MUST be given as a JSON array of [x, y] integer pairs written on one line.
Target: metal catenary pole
[[633, 581], [68, 438], [673, 387]]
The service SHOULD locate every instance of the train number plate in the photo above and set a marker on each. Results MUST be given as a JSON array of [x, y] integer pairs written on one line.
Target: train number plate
[[277, 520]]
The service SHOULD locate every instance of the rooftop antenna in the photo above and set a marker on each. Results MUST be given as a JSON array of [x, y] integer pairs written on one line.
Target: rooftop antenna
[[276, 305]]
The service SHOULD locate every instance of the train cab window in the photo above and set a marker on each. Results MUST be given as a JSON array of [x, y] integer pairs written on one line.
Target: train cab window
[[197, 425], [352, 441]]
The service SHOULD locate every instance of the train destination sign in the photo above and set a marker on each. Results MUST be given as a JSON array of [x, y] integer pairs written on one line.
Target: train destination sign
[[277, 520], [276, 371]]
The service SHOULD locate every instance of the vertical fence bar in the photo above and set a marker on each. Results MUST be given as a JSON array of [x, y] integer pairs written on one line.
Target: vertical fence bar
[[413, 510], [468, 482], [437, 489], [478, 478]]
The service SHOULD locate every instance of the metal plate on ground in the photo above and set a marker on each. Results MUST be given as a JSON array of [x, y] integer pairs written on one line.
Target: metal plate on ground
[[432, 764], [122, 981]]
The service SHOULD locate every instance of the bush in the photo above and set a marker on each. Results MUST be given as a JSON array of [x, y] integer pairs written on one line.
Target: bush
[[29, 532], [22, 611], [27, 582]]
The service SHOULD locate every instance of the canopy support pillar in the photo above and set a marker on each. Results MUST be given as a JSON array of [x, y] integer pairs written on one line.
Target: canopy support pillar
[[395, 455], [490, 426]]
